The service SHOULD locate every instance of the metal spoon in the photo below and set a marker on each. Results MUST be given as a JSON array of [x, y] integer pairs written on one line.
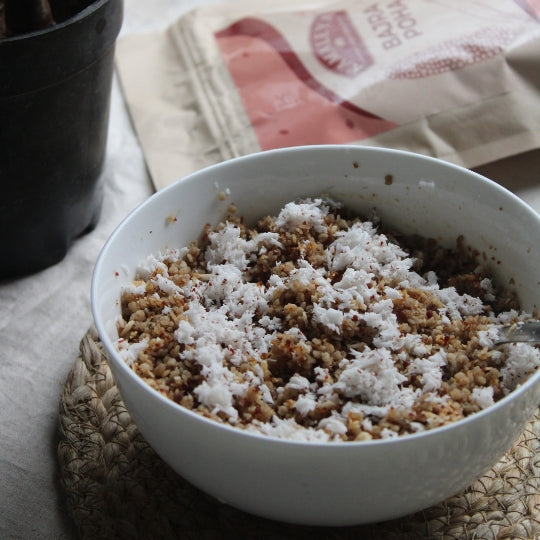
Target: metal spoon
[[523, 332]]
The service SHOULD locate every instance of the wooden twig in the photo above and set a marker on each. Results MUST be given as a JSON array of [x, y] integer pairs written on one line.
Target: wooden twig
[[3, 27], [23, 16]]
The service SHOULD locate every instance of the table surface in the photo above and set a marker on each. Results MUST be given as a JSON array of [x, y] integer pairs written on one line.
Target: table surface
[[44, 316]]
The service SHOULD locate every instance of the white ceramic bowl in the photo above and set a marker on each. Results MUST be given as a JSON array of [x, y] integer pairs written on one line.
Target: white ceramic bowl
[[327, 483]]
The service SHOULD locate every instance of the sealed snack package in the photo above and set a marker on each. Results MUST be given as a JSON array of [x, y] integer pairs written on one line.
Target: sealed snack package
[[455, 80]]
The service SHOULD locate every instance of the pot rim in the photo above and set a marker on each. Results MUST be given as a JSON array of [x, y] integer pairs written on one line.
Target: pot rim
[[94, 6], [40, 59]]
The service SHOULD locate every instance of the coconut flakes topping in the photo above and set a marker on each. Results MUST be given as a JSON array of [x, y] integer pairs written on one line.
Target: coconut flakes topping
[[231, 329]]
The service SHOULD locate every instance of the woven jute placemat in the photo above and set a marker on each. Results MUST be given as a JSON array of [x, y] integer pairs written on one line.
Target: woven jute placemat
[[117, 487]]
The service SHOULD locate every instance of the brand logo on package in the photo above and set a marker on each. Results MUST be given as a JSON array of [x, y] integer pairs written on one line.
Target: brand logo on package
[[337, 46]]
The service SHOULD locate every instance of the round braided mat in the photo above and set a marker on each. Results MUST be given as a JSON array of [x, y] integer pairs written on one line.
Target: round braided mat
[[117, 487]]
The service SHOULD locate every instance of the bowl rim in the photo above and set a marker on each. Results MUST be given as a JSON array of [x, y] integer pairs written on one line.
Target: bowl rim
[[112, 353]]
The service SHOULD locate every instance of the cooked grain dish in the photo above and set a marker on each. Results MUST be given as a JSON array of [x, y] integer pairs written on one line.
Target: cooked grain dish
[[319, 325]]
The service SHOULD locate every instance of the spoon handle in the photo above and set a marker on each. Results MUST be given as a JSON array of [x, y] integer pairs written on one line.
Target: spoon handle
[[524, 332]]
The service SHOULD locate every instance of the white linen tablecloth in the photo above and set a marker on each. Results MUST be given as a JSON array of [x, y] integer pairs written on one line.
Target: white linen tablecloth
[[44, 316]]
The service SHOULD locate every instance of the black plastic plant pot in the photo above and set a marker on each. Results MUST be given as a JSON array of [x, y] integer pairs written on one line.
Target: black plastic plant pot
[[55, 88]]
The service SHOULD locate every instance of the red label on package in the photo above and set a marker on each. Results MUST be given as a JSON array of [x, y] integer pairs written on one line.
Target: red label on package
[[286, 104]]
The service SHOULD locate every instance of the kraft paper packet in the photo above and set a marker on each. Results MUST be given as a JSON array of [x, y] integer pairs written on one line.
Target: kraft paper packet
[[454, 79]]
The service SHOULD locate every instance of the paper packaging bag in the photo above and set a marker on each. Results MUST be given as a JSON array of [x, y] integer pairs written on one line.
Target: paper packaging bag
[[455, 80]]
